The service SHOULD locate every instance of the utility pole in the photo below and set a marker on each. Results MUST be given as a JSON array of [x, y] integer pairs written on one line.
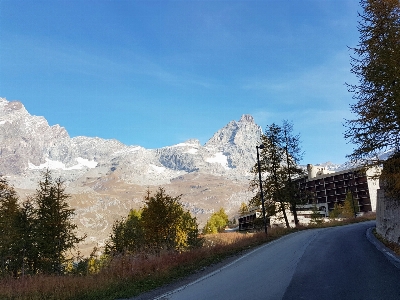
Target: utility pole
[[261, 189]]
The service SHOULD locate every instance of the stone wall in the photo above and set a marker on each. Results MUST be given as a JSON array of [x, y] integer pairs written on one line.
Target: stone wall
[[388, 217]]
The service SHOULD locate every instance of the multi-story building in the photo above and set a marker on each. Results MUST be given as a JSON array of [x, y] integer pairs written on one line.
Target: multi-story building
[[325, 189], [328, 188]]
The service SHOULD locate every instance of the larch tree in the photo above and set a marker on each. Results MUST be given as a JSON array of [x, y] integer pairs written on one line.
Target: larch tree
[[279, 167], [244, 208], [217, 222], [166, 225], [272, 159], [292, 170], [127, 234], [350, 206], [376, 64]]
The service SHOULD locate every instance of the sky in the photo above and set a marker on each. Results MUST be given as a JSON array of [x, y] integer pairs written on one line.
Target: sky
[[157, 73]]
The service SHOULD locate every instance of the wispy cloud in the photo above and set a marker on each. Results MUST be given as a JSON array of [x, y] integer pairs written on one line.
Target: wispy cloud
[[304, 118], [325, 82], [320, 130], [62, 57]]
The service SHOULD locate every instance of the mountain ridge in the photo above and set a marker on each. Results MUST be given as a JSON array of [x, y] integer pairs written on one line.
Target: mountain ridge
[[107, 178], [33, 145]]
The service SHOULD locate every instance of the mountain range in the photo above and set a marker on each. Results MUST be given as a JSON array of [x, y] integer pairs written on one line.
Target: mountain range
[[29, 144], [107, 178]]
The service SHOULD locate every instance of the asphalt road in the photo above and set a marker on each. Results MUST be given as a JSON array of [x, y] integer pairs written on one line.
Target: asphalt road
[[331, 263]]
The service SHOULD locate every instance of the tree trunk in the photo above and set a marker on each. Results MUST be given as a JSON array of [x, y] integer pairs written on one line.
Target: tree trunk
[[294, 211], [284, 215]]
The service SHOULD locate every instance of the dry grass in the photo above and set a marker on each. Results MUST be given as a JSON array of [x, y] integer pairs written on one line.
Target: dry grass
[[131, 275], [340, 222], [391, 245]]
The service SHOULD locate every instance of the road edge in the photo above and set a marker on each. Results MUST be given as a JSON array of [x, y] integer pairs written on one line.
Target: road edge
[[164, 291], [389, 254], [208, 275]]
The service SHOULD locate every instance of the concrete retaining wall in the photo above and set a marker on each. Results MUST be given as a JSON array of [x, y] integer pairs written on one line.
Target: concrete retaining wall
[[388, 217]]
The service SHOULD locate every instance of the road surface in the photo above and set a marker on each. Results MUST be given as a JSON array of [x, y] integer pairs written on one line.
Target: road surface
[[330, 263]]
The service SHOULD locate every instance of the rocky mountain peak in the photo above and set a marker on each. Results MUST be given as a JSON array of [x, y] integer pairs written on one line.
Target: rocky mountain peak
[[11, 108], [3, 102], [30, 144], [242, 133], [247, 118], [14, 105]]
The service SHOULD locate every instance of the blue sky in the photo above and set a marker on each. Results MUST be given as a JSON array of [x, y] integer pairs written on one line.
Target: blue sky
[[156, 73]]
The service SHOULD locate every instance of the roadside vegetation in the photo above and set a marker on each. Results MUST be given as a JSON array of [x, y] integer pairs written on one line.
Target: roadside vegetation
[[395, 247], [129, 274], [217, 222], [38, 234]]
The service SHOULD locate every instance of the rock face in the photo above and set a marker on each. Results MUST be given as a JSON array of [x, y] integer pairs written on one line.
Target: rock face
[[28, 144], [107, 178], [387, 217], [237, 141], [24, 138]]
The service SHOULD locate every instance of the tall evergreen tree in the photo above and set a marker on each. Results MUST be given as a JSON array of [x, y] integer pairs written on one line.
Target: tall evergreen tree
[[11, 260], [28, 250], [54, 229], [376, 64]]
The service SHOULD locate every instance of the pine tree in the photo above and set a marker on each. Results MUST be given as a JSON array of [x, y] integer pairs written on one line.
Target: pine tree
[[11, 260], [376, 64], [54, 232], [18, 252], [28, 250]]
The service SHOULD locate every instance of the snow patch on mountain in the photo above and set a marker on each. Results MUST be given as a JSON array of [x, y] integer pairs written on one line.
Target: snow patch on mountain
[[57, 165], [192, 151], [128, 150], [219, 158], [157, 169]]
